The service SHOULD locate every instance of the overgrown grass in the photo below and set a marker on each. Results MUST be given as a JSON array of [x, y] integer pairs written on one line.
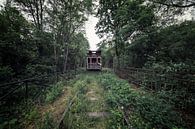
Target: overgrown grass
[[31, 116], [47, 123], [143, 109], [54, 92], [77, 117], [24, 112]]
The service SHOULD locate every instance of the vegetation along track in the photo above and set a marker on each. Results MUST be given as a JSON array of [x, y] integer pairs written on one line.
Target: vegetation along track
[[105, 101], [101, 100], [89, 109]]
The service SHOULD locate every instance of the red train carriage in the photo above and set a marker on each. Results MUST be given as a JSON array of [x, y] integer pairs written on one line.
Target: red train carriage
[[94, 61]]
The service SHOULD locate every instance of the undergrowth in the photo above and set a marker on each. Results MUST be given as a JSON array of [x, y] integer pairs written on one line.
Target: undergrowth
[[54, 92], [76, 118], [143, 109], [47, 122]]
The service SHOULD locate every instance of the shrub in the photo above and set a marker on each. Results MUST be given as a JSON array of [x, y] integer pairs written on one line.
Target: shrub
[[145, 110], [54, 92], [48, 122], [6, 73]]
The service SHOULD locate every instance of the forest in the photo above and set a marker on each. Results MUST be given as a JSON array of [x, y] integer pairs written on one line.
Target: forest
[[147, 80]]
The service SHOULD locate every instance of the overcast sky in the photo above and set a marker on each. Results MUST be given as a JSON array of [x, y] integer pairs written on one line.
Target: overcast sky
[[1, 1], [90, 32]]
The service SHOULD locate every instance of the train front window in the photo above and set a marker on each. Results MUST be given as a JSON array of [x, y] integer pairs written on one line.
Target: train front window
[[88, 60], [99, 60], [94, 60]]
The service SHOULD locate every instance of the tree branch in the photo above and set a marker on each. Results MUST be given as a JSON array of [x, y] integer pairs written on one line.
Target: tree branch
[[175, 5]]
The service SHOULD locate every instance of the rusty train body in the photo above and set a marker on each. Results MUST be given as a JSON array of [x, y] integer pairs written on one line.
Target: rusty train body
[[94, 60]]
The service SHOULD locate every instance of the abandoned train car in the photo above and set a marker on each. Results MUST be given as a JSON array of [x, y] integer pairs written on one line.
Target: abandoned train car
[[94, 60]]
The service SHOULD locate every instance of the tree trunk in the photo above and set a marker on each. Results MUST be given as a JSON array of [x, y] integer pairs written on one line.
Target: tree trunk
[[65, 59], [55, 58]]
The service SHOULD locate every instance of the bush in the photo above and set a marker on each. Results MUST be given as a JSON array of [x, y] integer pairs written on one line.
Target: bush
[[6, 73], [54, 92], [145, 110], [48, 122]]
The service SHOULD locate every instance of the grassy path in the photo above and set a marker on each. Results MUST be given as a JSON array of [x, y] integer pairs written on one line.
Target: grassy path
[[89, 109], [54, 109], [101, 100], [97, 107]]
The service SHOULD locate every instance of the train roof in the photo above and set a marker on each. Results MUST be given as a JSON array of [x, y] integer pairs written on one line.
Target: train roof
[[92, 51]]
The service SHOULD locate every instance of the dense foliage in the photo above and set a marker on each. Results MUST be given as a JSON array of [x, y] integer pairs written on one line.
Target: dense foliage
[[141, 39], [17, 48], [38, 37], [34, 38], [41, 37], [151, 35], [142, 109]]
